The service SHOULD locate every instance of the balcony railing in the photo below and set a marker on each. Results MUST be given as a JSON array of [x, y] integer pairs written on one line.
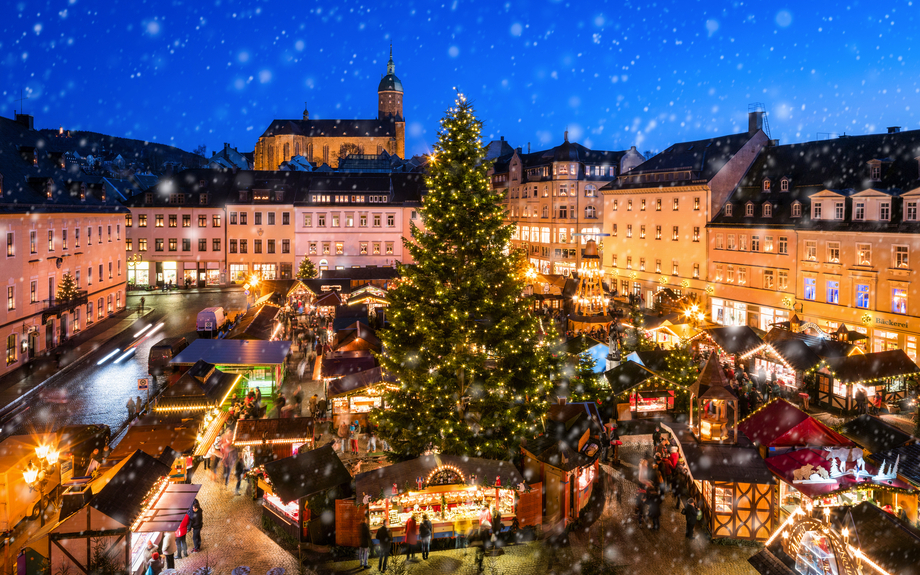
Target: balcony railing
[[56, 307]]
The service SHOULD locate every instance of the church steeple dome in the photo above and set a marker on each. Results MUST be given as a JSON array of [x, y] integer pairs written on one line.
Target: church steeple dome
[[390, 83], [306, 112]]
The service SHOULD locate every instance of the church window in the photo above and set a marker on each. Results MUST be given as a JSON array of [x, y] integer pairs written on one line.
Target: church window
[[326, 154], [287, 152]]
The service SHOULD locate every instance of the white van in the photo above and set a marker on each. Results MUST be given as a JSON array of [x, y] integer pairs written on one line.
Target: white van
[[209, 321]]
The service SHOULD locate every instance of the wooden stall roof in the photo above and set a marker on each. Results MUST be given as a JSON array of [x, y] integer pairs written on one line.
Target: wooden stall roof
[[655, 359], [909, 464], [358, 381], [871, 366], [739, 463], [629, 375], [346, 315], [211, 389], [785, 465], [781, 424], [822, 347], [233, 352], [306, 473], [209, 436], [738, 339], [256, 431], [795, 353], [874, 434], [257, 324], [279, 289], [712, 383], [565, 426], [122, 496], [486, 470], [347, 363], [579, 344], [155, 439], [329, 299], [357, 336], [169, 510]]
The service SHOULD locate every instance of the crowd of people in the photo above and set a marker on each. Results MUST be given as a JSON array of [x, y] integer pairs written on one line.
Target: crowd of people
[[658, 475], [173, 545]]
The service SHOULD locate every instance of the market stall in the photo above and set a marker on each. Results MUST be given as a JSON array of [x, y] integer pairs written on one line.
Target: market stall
[[908, 471], [202, 388], [859, 540], [261, 363], [729, 341], [298, 489], [135, 503], [357, 337], [327, 303], [786, 361], [735, 488], [881, 376], [286, 436], [639, 392], [780, 426], [260, 324], [353, 396], [713, 405], [448, 488]]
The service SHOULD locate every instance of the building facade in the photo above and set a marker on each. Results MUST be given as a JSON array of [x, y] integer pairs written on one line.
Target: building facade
[[553, 199], [656, 214], [56, 220], [830, 234], [326, 141]]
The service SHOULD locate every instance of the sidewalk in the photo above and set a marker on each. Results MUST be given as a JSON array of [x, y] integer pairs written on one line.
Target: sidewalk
[[22, 382]]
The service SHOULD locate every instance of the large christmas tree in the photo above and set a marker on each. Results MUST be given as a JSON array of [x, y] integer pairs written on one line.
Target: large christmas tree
[[67, 289], [473, 374], [307, 270]]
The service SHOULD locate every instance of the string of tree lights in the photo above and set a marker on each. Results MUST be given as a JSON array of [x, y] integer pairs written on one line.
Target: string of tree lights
[[474, 373]]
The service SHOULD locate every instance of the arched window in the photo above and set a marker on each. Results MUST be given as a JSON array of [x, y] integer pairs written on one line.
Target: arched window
[[728, 210], [590, 191], [766, 185], [590, 212], [784, 185], [749, 209], [287, 152], [768, 210]]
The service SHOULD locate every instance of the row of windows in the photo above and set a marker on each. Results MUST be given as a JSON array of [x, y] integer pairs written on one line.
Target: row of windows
[[548, 235], [336, 220], [173, 243], [174, 221], [900, 254], [64, 239], [862, 293], [364, 248], [766, 210], [346, 199], [772, 279], [675, 204], [33, 284], [243, 246], [562, 191], [675, 232], [782, 246], [675, 268], [560, 212]]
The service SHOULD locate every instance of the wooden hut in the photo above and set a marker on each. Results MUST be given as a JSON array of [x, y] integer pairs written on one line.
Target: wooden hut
[[355, 395], [880, 375], [639, 392], [284, 436], [357, 337], [713, 405], [728, 342], [779, 426], [261, 324]]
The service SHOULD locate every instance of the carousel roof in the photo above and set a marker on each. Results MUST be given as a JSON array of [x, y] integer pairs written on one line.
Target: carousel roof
[[781, 424], [874, 434], [786, 465], [738, 339], [871, 366]]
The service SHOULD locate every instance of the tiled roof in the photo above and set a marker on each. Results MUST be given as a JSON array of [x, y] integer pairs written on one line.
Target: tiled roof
[[876, 365], [874, 434], [308, 472], [332, 128]]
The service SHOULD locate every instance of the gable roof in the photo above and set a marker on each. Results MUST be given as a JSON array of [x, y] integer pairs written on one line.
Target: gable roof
[[202, 384], [822, 347], [712, 383], [257, 324], [874, 434], [308, 472], [781, 424], [630, 375], [871, 366], [733, 339], [122, 496], [357, 381], [357, 336]]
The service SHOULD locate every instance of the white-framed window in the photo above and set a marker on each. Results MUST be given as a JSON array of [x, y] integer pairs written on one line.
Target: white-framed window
[[784, 185], [816, 211], [742, 243], [862, 296], [833, 291], [755, 243], [742, 275], [768, 279], [782, 279], [884, 211], [675, 233], [875, 172], [730, 274], [766, 185], [833, 252], [719, 272], [728, 210], [838, 210], [731, 241], [911, 212], [768, 244], [783, 245], [901, 259], [796, 210], [864, 254], [641, 264], [859, 211], [899, 300], [768, 210], [657, 266], [616, 205], [590, 212], [673, 267], [749, 209], [811, 250]]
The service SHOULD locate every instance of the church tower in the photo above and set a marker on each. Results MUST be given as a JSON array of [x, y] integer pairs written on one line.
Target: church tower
[[390, 104]]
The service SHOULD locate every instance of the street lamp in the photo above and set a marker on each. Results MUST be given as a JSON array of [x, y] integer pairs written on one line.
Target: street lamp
[[37, 477]]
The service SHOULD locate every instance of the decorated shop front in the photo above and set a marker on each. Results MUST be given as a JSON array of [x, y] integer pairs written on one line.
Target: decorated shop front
[[878, 378], [451, 490], [728, 342], [356, 394], [640, 392]]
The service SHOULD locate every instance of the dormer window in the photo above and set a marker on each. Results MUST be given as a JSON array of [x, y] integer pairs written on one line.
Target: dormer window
[[784, 185], [243, 195], [875, 172], [766, 185], [148, 198], [82, 192], [102, 197], [749, 209], [203, 199], [884, 211], [796, 210], [859, 211], [816, 211], [49, 189], [728, 210], [279, 196], [768, 210], [838, 210], [911, 212]]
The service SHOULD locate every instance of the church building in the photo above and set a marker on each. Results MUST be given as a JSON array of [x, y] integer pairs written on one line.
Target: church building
[[326, 141]]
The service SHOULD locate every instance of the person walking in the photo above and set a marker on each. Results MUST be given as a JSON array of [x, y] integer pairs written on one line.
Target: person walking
[[239, 470], [411, 537], [181, 542], [353, 431], [343, 436], [371, 440], [280, 403], [653, 497], [169, 549], [196, 522], [321, 408], [138, 406], [383, 542], [313, 403], [425, 532], [364, 542], [692, 514], [131, 409]]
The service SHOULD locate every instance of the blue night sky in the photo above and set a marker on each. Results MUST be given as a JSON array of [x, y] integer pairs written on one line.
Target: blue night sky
[[613, 74]]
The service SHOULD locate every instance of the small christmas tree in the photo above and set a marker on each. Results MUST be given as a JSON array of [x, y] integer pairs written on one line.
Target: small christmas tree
[[585, 384], [67, 289], [307, 270], [636, 337]]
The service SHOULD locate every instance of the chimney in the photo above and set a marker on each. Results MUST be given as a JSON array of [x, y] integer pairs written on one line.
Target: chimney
[[26, 120], [560, 401], [503, 138], [755, 121], [894, 129], [226, 147]]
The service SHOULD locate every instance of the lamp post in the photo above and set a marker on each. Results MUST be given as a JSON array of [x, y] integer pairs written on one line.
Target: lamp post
[[37, 476]]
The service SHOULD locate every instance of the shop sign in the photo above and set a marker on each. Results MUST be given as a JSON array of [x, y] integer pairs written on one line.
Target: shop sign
[[143, 383], [888, 322]]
